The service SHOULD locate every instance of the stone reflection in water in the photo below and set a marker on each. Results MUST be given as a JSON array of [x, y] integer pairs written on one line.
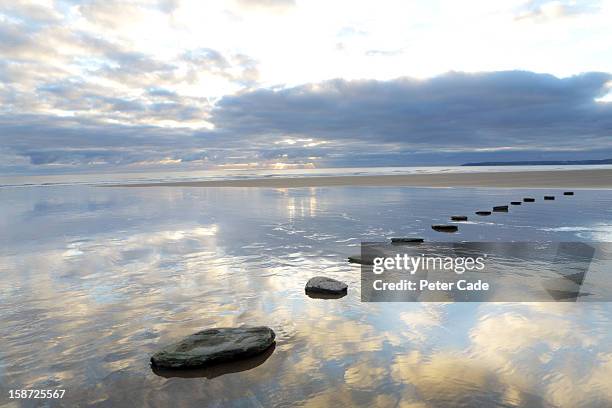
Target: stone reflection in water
[[94, 280], [220, 369]]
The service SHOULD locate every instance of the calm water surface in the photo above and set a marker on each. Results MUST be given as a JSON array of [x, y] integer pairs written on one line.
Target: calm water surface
[[95, 279]]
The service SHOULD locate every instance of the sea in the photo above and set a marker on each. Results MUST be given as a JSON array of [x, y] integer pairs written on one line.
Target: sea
[[94, 279]]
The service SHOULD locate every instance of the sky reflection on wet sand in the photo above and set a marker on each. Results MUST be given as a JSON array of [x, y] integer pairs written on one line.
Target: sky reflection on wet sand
[[96, 279]]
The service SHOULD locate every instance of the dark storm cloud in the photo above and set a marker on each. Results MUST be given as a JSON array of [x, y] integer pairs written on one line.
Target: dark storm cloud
[[456, 110]]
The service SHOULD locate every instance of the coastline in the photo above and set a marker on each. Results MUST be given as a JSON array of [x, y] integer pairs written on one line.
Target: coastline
[[594, 179]]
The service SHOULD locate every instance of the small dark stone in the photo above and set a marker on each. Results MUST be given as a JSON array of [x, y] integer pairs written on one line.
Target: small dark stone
[[214, 346], [568, 193], [549, 197], [529, 200], [445, 228], [402, 240], [515, 202], [359, 260], [459, 218], [322, 284], [500, 208], [483, 212]]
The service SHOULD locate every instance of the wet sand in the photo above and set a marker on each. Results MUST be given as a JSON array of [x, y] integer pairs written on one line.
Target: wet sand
[[601, 178]]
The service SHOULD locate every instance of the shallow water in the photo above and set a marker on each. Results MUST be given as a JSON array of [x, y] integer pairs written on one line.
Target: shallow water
[[94, 280]]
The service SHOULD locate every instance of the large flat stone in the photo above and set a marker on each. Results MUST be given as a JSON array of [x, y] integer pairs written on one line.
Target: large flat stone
[[322, 284], [214, 346]]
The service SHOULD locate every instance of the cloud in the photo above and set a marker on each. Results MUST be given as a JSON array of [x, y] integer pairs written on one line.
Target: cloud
[[109, 13], [67, 69], [279, 5], [105, 103], [546, 10], [94, 83], [238, 67], [452, 111], [452, 118], [115, 13], [383, 53], [169, 6], [14, 40], [33, 13], [550, 335]]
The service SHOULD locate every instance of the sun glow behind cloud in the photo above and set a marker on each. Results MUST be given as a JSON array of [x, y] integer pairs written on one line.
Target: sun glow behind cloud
[[157, 74]]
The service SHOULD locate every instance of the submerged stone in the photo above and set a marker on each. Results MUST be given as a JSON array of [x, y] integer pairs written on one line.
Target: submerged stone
[[217, 370], [459, 218], [357, 259], [402, 240], [214, 346], [322, 284], [445, 228]]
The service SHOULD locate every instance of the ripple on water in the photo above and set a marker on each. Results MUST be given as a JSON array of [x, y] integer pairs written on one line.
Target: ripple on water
[[149, 267]]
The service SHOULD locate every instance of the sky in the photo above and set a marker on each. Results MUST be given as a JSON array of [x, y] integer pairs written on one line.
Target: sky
[[105, 85]]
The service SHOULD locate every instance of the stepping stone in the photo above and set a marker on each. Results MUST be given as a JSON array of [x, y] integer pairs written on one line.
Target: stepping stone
[[515, 202], [325, 285], [217, 370], [483, 212], [358, 260], [500, 208], [445, 228], [549, 197], [568, 193], [214, 346], [529, 200], [459, 218], [405, 240]]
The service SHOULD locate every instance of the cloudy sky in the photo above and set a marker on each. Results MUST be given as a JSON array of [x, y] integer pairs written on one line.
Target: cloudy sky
[[105, 85]]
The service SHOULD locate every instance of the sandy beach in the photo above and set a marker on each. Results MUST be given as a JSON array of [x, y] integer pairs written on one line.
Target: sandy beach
[[601, 178]]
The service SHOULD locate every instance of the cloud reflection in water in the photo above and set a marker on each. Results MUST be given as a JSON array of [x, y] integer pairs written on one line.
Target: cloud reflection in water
[[96, 279]]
